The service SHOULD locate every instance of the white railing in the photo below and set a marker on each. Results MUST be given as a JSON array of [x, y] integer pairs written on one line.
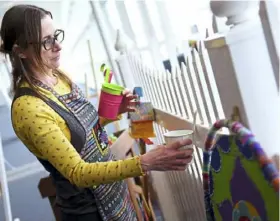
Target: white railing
[[214, 94], [4, 186], [187, 89], [4, 189]]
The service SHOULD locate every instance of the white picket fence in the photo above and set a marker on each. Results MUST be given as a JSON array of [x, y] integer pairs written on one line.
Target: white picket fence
[[214, 81], [187, 89]]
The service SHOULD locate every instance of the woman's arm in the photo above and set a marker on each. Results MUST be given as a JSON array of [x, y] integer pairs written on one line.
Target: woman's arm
[[37, 127]]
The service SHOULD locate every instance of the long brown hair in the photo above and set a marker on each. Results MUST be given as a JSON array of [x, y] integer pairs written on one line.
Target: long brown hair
[[21, 25]]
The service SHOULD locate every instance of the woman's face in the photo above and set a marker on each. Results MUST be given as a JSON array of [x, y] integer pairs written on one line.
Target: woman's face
[[51, 39]]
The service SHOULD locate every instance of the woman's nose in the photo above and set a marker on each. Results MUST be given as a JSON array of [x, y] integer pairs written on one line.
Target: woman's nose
[[57, 46]]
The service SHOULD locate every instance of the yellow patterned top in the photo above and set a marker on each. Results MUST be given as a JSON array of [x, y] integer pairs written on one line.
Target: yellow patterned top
[[47, 136]]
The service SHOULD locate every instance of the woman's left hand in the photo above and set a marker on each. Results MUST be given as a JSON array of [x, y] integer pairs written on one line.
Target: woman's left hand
[[128, 103]]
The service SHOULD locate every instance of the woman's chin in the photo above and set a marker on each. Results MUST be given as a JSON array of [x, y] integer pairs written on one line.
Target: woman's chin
[[55, 65]]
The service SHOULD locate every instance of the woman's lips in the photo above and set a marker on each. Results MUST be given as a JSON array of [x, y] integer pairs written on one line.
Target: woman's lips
[[56, 58]]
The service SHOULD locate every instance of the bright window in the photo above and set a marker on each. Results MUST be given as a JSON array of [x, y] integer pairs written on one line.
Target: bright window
[[147, 58], [185, 14], [152, 8], [136, 22], [163, 52], [113, 15]]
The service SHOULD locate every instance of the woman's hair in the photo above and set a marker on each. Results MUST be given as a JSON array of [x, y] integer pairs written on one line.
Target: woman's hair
[[21, 25]]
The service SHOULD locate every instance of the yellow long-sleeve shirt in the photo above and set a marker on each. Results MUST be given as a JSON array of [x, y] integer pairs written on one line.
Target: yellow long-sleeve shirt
[[47, 136]]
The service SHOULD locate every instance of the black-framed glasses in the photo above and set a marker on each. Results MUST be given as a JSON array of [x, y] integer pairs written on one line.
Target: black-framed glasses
[[49, 43]]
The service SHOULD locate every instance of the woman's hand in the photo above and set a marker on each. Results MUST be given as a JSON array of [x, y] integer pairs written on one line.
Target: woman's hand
[[128, 104], [170, 157]]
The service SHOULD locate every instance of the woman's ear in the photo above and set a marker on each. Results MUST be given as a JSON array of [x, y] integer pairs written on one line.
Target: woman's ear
[[18, 51]]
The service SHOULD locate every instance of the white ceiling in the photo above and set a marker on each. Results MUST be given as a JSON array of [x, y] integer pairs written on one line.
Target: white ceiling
[[76, 19], [59, 9]]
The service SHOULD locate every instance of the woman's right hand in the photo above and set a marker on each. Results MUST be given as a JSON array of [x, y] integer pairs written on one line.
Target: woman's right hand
[[169, 157]]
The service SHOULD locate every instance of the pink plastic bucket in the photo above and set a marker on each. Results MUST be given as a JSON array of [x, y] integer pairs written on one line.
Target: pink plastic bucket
[[109, 105]]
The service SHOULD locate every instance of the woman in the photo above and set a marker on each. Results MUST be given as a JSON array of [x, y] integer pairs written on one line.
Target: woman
[[62, 129]]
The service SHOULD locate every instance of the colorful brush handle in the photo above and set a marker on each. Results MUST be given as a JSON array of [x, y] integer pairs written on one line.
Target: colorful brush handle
[[246, 138], [107, 73]]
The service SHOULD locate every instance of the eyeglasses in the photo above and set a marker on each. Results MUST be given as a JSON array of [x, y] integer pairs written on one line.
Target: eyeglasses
[[49, 43]]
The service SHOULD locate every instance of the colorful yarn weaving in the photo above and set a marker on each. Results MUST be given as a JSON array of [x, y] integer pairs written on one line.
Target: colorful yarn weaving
[[239, 179]]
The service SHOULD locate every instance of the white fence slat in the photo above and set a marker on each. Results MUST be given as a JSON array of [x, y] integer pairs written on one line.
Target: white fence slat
[[156, 89], [198, 87], [135, 72], [183, 92], [144, 85], [199, 157], [160, 134], [210, 82], [195, 88], [179, 97], [158, 139], [161, 183], [160, 93], [174, 100], [203, 89], [167, 93], [175, 87], [4, 186], [132, 62], [136, 69], [147, 83], [152, 88], [163, 91], [189, 91], [145, 75]]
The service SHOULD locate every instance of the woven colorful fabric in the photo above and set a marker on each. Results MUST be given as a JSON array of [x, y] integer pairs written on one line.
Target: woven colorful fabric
[[240, 182]]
